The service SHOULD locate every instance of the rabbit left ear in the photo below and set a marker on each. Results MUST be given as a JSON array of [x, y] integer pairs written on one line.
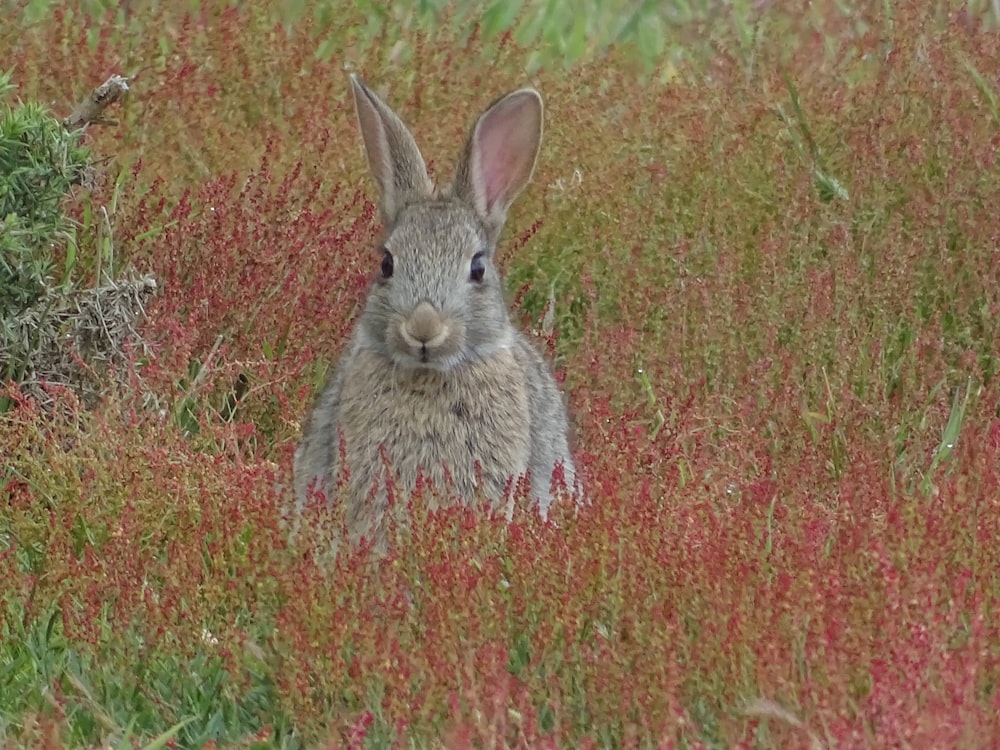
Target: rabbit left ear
[[393, 156], [500, 156]]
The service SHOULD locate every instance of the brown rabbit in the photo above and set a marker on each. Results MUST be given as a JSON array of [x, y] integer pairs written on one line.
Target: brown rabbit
[[435, 374]]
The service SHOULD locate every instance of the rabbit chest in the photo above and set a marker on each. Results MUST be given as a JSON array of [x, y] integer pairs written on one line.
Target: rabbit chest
[[470, 425]]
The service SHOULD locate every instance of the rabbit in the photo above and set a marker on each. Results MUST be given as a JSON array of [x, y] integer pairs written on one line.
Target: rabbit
[[435, 379]]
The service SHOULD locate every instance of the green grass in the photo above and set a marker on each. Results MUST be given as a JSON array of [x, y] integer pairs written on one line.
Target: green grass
[[764, 244]]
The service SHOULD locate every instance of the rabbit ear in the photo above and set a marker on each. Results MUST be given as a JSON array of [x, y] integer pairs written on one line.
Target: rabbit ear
[[500, 156], [393, 156]]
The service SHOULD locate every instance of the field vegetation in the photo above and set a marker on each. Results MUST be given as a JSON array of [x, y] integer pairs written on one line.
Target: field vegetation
[[761, 246]]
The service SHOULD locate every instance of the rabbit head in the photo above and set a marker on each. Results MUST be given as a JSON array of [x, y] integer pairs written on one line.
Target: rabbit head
[[437, 300]]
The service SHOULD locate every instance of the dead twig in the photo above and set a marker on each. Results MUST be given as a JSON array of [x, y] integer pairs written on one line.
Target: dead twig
[[91, 110]]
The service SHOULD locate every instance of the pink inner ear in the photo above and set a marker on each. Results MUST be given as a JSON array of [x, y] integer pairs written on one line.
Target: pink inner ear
[[496, 161], [506, 143]]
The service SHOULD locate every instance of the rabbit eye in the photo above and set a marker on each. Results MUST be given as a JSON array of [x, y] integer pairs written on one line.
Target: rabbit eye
[[477, 268], [386, 265]]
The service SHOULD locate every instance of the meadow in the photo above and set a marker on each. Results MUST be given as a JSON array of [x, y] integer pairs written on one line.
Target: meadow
[[762, 249]]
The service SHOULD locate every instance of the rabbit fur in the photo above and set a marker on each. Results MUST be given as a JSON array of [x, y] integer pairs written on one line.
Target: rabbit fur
[[435, 379]]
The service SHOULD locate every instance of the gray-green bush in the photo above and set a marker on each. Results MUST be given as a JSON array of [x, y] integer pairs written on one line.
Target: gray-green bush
[[39, 162]]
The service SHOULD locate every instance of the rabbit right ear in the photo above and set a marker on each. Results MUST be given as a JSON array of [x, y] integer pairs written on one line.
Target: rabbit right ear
[[500, 155], [393, 156]]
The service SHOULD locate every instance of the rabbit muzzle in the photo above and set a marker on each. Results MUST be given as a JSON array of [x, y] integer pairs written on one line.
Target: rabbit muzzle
[[426, 334]]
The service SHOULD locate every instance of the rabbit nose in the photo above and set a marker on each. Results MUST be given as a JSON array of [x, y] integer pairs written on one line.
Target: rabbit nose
[[424, 324]]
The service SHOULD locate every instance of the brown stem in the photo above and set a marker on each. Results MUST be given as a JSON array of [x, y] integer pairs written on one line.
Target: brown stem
[[91, 110]]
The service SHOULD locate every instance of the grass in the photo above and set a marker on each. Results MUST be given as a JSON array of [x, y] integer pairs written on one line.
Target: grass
[[774, 276]]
